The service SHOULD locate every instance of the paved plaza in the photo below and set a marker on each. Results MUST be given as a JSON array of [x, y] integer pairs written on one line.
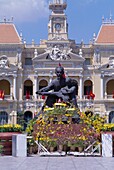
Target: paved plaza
[[56, 163]]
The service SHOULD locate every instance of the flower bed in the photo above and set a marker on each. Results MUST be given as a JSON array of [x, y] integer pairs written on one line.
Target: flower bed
[[108, 127], [11, 128], [56, 126], [65, 134]]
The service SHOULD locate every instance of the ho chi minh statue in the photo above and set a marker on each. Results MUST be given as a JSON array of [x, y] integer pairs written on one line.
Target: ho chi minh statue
[[61, 88]]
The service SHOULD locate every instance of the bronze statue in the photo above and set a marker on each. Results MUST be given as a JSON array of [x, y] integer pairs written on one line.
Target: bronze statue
[[63, 88]]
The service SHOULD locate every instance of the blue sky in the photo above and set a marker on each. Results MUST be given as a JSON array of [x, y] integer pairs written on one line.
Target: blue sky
[[31, 17]]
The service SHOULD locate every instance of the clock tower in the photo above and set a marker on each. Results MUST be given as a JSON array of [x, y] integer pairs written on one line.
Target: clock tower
[[57, 27]]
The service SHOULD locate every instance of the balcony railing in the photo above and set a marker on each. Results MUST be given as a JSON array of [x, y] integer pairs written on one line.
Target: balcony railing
[[109, 97], [42, 98], [87, 97], [7, 97], [31, 97]]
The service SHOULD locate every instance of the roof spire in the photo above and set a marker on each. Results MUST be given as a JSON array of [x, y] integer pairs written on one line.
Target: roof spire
[[102, 19], [110, 16], [58, 1], [58, 4], [4, 19]]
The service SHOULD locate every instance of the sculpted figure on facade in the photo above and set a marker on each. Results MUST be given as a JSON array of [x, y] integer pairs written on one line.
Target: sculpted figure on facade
[[57, 54], [4, 62]]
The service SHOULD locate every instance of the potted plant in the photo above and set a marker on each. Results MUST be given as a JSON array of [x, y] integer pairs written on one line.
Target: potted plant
[[30, 145], [1, 149], [52, 144]]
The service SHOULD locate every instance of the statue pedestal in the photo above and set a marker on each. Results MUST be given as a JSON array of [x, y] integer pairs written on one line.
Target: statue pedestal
[[107, 145], [19, 145]]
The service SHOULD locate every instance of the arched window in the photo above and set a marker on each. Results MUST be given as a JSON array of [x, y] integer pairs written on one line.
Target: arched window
[[111, 117], [88, 87], [3, 118], [5, 86], [27, 117], [42, 83], [110, 87], [28, 87]]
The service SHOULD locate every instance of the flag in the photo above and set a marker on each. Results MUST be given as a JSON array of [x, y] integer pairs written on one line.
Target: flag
[[113, 95], [92, 95], [27, 94], [3, 94], [0, 94], [88, 95], [43, 97]]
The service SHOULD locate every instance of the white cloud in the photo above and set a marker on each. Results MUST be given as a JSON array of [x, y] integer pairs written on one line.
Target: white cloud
[[24, 10]]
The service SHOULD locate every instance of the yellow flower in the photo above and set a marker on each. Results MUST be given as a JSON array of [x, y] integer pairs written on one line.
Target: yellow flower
[[70, 109], [60, 104], [48, 109]]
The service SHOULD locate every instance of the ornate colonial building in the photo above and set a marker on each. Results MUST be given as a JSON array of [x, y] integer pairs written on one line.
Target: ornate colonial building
[[26, 68]]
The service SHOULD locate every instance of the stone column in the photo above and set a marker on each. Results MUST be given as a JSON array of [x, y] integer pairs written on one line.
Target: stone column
[[21, 86], [11, 91], [14, 87], [81, 87], [102, 89], [65, 26], [50, 26], [50, 76], [35, 86]]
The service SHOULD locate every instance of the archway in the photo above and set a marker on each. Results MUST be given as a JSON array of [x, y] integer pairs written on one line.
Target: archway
[[28, 87], [42, 83], [5, 86], [111, 117], [88, 87], [3, 117], [110, 87], [27, 117]]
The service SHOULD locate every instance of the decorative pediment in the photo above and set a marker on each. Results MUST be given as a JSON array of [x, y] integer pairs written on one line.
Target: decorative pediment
[[110, 64], [58, 54], [4, 63]]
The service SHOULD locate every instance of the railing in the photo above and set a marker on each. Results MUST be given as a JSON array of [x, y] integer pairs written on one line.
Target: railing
[[58, 2], [41, 148], [7, 97], [109, 96], [31, 97], [93, 149], [41, 98]]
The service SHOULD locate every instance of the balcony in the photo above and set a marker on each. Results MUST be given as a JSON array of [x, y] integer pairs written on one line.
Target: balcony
[[7, 97], [30, 97], [109, 97]]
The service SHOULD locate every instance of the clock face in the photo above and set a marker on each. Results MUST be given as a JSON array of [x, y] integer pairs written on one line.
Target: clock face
[[58, 26]]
